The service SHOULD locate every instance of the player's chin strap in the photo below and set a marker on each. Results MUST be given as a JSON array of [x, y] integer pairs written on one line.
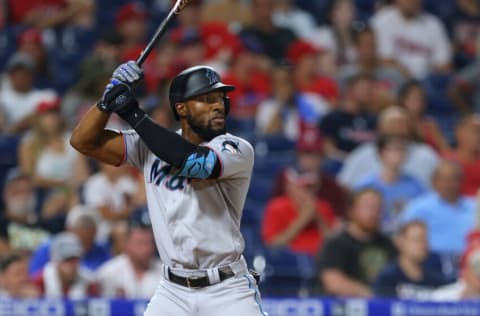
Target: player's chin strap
[[191, 160]]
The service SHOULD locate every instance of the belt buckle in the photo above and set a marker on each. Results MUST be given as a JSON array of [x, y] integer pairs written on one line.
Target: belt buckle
[[189, 285]]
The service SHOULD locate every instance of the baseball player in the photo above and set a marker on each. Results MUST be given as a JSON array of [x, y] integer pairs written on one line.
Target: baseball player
[[196, 182]]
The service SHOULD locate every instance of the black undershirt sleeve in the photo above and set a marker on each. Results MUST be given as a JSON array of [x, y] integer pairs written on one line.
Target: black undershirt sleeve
[[166, 145]]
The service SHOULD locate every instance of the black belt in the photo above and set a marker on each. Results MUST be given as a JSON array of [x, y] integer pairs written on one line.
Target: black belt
[[199, 282]]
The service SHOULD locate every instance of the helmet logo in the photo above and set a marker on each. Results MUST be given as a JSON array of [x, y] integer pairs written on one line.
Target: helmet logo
[[212, 77]]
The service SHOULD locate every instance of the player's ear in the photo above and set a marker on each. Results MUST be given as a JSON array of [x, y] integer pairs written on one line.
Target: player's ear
[[181, 109]]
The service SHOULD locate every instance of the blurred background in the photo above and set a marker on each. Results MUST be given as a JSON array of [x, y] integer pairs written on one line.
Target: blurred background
[[363, 115]]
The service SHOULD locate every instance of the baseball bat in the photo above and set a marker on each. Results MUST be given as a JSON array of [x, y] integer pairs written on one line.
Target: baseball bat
[[176, 9]]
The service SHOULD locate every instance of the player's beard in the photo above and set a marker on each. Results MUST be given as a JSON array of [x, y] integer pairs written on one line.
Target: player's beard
[[207, 132]]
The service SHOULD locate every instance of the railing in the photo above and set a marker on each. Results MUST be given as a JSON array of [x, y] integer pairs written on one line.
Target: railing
[[273, 306]]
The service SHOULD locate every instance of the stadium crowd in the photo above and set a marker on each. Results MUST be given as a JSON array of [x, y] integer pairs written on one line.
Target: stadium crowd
[[363, 115]]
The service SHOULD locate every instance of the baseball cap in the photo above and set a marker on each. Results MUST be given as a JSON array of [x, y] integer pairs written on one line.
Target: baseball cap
[[310, 140], [131, 11], [20, 60], [31, 35], [139, 219], [48, 105], [301, 178], [64, 246], [300, 48]]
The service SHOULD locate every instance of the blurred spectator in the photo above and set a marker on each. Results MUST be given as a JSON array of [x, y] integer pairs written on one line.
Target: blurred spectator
[[131, 23], [20, 224], [18, 97], [14, 282], [387, 78], [412, 40], [47, 13], [464, 88], [30, 42], [467, 287], [63, 277], [191, 50], [286, 110], [159, 111], [351, 124], [114, 193], [413, 98], [448, 215], [139, 268], [337, 35], [288, 15], [95, 72], [350, 260], [82, 221], [309, 160], [396, 186], [298, 220], [251, 83], [46, 155], [465, 28], [218, 39], [108, 46], [273, 40], [467, 153], [407, 277], [420, 162], [227, 11], [307, 76]]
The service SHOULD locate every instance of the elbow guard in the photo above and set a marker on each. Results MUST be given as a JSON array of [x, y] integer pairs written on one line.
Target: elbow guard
[[201, 164]]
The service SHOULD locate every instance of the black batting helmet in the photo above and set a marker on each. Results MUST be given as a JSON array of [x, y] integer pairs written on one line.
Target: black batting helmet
[[195, 81]]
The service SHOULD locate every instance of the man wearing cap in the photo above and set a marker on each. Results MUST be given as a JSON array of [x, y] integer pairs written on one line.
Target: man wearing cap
[[309, 159], [298, 219], [62, 277], [138, 267], [196, 182], [18, 97]]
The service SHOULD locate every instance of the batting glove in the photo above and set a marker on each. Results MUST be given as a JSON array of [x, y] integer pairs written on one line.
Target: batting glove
[[117, 98], [129, 73]]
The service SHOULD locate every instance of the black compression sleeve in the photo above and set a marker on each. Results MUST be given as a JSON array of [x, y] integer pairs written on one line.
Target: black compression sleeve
[[166, 145]]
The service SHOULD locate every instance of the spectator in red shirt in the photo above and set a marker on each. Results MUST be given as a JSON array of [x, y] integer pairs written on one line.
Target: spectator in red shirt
[[47, 13], [309, 159], [305, 57], [298, 220], [62, 277], [131, 23], [467, 153]]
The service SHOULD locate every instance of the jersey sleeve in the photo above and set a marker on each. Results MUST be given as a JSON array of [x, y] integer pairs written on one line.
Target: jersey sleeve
[[234, 154], [136, 151]]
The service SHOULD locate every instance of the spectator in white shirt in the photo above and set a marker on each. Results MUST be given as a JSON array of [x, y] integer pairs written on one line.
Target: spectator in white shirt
[[140, 271], [114, 192], [287, 15], [420, 162], [18, 97], [414, 41]]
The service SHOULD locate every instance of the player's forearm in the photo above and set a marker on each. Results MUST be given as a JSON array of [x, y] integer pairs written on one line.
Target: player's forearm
[[90, 138], [285, 237], [174, 149]]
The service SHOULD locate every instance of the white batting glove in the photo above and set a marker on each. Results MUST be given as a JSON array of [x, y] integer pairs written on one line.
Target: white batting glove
[[128, 72]]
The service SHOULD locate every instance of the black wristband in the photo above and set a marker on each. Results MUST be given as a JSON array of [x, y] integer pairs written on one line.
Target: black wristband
[[134, 117]]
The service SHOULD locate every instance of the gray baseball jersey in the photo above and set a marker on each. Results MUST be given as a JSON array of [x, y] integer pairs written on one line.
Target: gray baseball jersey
[[196, 223]]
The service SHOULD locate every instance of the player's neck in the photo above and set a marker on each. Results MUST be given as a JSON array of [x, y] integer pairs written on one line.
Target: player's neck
[[190, 135]]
